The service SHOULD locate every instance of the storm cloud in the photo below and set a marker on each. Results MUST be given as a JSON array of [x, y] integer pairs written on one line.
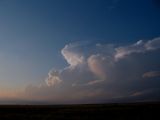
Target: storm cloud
[[103, 72]]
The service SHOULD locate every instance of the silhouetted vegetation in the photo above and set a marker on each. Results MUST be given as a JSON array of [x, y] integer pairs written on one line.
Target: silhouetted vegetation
[[137, 111]]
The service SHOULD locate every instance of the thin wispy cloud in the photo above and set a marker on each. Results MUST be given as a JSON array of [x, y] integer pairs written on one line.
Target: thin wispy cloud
[[138, 47], [151, 74]]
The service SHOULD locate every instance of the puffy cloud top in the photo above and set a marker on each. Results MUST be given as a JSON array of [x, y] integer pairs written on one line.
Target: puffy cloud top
[[72, 57], [53, 78]]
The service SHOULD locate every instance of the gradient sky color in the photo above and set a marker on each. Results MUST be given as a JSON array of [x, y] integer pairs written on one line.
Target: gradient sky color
[[68, 39]]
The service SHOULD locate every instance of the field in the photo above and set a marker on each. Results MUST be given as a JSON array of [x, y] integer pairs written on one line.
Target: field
[[136, 111]]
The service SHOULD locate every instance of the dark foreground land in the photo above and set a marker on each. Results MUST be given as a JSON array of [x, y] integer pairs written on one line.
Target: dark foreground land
[[136, 111]]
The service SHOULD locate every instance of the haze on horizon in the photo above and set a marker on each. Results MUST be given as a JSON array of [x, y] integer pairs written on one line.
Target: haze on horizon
[[79, 51]]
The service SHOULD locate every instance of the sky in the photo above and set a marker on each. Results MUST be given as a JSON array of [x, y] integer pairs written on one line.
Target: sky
[[79, 51]]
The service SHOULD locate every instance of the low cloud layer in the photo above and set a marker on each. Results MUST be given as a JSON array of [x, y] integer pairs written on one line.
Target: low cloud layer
[[102, 72]]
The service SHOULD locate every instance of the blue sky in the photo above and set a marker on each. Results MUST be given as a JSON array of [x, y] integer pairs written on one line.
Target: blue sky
[[37, 36]]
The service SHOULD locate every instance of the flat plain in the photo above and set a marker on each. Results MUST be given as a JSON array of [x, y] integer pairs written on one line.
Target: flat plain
[[127, 111]]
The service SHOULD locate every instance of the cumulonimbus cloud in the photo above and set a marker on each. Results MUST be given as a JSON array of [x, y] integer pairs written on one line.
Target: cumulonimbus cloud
[[101, 68], [99, 62]]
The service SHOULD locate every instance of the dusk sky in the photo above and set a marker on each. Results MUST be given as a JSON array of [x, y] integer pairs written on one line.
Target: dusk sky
[[79, 51]]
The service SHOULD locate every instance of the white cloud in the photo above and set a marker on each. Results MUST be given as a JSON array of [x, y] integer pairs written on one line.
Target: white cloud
[[72, 57], [153, 44], [53, 78], [139, 47], [99, 67], [124, 51]]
